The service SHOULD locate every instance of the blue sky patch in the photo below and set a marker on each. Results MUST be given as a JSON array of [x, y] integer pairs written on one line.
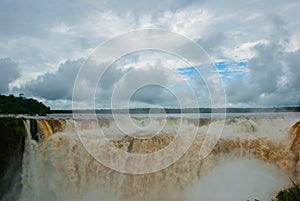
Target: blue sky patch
[[228, 71]]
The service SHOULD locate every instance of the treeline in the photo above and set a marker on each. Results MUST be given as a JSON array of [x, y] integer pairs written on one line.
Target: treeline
[[183, 110], [21, 105]]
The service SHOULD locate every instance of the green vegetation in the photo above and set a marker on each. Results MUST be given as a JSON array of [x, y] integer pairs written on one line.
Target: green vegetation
[[12, 134], [20, 105], [289, 194]]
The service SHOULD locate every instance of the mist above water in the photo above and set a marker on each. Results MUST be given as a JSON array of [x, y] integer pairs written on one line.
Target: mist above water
[[239, 179]]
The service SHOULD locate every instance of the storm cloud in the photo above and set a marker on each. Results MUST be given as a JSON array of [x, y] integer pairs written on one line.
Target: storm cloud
[[10, 71], [56, 85], [273, 72]]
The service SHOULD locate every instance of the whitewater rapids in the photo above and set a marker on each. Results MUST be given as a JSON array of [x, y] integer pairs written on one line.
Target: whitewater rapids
[[253, 159]]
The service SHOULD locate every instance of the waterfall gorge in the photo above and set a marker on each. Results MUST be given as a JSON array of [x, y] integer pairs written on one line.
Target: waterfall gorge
[[253, 159]]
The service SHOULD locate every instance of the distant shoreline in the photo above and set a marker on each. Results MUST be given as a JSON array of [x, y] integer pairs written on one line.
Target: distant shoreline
[[179, 111]]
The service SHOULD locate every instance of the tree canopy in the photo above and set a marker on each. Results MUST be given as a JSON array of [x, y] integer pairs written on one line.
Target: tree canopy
[[21, 105]]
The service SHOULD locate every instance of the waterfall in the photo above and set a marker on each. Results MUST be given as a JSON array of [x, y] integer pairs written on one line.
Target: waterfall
[[58, 166]]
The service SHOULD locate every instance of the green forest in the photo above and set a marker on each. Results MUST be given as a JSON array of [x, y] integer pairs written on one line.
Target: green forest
[[21, 105]]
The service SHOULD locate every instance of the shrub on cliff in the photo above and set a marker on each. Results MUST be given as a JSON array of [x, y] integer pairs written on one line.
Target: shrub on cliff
[[289, 194]]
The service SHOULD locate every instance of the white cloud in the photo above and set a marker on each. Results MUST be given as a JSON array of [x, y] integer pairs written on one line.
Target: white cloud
[[190, 22], [60, 28], [243, 51]]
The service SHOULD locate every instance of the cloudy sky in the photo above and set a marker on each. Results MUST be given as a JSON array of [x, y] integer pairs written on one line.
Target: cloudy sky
[[254, 46]]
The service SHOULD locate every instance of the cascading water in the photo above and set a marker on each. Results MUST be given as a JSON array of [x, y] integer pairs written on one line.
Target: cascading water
[[254, 156]]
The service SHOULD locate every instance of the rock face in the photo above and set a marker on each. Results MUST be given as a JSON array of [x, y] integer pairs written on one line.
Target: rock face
[[12, 134], [295, 146]]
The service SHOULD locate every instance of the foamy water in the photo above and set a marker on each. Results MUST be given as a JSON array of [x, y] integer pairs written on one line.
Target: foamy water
[[253, 159]]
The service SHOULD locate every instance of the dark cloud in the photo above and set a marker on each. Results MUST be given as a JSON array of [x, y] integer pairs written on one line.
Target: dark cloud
[[112, 75], [10, 71], [151, 94], [145, 86], [272, 73], [212, 41], [57, 85]]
